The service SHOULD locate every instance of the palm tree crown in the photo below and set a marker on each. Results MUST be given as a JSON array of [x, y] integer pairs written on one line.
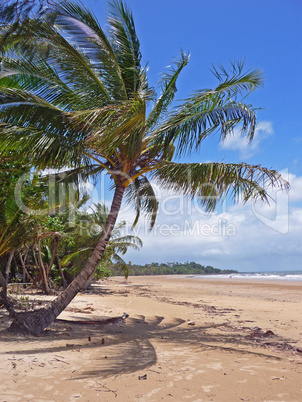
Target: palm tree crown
[[74, 96]]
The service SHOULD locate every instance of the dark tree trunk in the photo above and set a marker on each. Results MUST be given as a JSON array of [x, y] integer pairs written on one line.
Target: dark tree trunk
[[4, 298], [43, 270], [34, 322], [54, 253], [25, 272], [64, 281], [89, 282], [8, 265]]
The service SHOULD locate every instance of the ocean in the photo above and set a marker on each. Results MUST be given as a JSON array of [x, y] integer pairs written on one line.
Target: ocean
[[276, 275]]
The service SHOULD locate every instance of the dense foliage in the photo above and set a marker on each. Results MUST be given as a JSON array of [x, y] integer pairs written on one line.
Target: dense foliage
[[47, 242], [171, 268]]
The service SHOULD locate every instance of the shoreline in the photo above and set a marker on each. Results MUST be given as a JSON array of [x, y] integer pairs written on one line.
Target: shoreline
[[243, 281], [194, 339], [218, 280]]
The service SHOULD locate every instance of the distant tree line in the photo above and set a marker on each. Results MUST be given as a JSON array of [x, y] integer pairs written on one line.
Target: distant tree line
[[170, 268]]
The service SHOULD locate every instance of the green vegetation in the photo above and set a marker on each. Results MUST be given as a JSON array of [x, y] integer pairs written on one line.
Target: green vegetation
[[39, 245], [85, 235], [171, 268], [48, 251]]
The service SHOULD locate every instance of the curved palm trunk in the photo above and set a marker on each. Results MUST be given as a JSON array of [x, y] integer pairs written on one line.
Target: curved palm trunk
[[89, 282], [34, 322]]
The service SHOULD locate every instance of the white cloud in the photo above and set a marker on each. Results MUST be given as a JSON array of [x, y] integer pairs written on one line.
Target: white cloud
[[250, 237], [235, 142], [295, 191], [243, 237]]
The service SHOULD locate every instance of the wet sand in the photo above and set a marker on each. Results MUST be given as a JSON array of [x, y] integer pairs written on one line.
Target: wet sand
[[185, 340]]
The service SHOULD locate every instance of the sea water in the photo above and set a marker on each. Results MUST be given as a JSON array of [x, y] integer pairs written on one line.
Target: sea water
[[274, 275]]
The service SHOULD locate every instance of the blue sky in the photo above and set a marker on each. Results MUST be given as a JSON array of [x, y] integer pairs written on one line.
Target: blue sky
[[268, 35]]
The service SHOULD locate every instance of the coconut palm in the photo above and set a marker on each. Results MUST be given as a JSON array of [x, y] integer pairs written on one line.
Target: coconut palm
[[76, 97]]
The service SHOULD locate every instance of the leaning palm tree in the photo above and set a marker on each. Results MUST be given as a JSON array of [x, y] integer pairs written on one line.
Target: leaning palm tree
[[76, 97]]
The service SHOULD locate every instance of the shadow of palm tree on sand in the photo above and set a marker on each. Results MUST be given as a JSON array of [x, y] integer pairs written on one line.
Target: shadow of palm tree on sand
[[131, 345]]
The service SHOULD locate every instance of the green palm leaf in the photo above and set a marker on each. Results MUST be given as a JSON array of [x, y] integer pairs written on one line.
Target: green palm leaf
[[212, 182], [209, 110], [142, 195], [86, 33], [168, 87], [126, 46], [40, 78], [96, 221]]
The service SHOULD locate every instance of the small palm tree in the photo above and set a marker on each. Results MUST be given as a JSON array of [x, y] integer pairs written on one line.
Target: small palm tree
[[85, 243], [72, 96]]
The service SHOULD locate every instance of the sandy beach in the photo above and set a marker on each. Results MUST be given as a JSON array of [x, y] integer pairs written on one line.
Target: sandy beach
[[185, 339]]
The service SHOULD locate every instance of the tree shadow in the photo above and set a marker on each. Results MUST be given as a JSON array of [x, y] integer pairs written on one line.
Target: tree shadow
[[131, 345]]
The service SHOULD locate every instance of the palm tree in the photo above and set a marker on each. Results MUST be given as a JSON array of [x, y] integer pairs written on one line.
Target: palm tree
[[85, 243], [74, 96]]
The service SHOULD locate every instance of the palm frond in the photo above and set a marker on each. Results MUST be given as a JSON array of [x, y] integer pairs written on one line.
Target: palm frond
[[77, 256], [212, 182], [43, 149], [86, 33], [126, 46], [76, 176], [141, 193], [72, 96], [122, 243], [40, 39], [208, 111], [122, 265], [195, 121], [118, 126], [235, 81], [41, 79], [15, 226], [168, 87]]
